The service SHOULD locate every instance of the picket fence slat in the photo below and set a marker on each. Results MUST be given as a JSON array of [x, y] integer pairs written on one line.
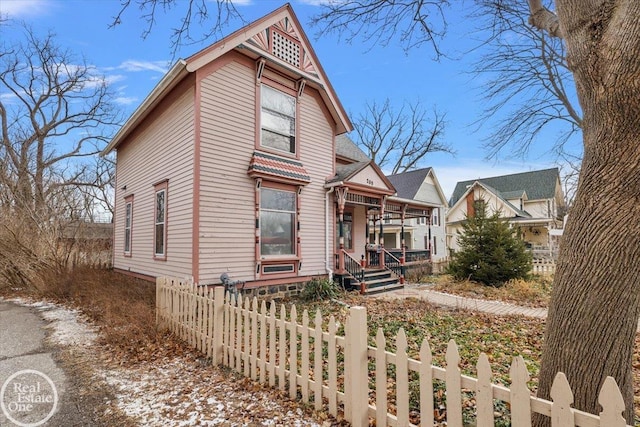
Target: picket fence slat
[[426, 385], [293, 353], [453, 381], [484, 394], [317, 362], [333, 367], [282, 354], [381, 379], [520, 394], [561, 412], [272, 345], [612, 404], [304, 353], [263, 342], [402, 378], [254, 341]]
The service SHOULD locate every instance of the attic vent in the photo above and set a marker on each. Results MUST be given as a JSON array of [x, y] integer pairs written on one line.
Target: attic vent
[[286, 49]]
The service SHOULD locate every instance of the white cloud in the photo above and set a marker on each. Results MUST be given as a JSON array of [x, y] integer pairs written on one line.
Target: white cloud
[[133, 65], [319, 2], [126, 100], [242, 2], [16, 8]]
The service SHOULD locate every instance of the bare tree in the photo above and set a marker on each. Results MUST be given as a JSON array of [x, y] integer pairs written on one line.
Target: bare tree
[[398, 140], [211, 17], [526, 81], [56, 114], [594, 308]]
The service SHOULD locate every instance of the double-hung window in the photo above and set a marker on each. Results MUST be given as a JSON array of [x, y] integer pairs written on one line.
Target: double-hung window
[[128, 222], [278, 120], [277, 221], [435, 220], [160, 222]]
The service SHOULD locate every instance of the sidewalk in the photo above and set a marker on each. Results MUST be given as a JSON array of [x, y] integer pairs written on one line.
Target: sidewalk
[[454, 301]]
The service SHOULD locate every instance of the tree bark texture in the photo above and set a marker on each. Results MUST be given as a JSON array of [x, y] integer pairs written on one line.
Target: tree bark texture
[[595, 303]]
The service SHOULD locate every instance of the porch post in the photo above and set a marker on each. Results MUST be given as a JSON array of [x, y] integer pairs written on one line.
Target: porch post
[[402, 243], [365, 257], [342, 196], [429, 222], [381, 238]]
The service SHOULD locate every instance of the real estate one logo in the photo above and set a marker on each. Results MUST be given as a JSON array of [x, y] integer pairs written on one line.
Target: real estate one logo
[[28, 398]]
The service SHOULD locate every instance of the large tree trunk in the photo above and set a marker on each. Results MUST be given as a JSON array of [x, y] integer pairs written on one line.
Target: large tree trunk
[[593, 314]]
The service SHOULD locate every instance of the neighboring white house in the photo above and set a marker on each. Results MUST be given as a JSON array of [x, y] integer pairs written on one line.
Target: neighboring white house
[[426, 233], [532, 201]]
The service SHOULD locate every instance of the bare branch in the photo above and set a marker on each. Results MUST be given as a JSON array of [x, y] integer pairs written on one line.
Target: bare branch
[[399, 141], [544, 19], [380, 21], [60, 113], [526, 81], [198, 22]]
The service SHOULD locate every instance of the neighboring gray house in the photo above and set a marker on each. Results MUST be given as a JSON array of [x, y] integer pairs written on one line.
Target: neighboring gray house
[[426, 233], [531, 200]]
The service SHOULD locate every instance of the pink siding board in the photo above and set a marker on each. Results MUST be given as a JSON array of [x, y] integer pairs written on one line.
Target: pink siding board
[[316, 153], [163, 150], [227, 193]]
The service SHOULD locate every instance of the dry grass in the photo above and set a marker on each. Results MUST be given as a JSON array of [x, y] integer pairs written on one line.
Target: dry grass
[[122, 307], [531, 293]]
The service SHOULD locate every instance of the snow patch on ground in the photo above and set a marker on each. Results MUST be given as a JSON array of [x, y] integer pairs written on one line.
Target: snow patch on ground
[[67, 326], [179, 392]]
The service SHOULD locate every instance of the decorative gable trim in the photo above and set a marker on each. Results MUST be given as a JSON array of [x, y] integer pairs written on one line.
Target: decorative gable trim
[[272, 167]]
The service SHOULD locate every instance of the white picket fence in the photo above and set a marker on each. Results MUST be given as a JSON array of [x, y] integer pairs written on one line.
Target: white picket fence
[[543, 267], [335, 372]]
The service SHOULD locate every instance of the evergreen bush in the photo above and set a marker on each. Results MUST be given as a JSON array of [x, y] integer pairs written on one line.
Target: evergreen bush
[[490, 251]]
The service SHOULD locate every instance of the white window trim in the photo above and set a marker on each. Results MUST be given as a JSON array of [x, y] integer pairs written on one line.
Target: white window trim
[[128, 217], [158, 255], [295, 122]]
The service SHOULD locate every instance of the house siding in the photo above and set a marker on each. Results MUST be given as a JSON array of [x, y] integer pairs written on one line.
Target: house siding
[[537, 208], [227, 195], [317, 156], [162, 150]]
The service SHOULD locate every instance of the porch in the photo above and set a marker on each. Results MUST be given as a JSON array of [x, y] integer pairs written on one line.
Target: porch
[[363, 226]]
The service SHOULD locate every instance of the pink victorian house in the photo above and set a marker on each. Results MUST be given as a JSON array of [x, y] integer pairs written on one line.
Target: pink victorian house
[[237, 163]]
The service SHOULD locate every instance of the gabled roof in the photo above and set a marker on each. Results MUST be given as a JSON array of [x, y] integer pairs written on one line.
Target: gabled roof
[[253, 41], [347, 149], [408, 183], [344, 172], [350, 175], [518, 212], [537, 185]]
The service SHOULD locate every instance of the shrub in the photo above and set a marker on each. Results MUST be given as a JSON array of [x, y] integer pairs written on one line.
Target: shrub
[[320, 289], [490, 252]]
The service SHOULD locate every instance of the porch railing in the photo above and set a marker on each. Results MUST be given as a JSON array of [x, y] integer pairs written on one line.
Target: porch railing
[[412, 255], [392, 263], [353, 266]]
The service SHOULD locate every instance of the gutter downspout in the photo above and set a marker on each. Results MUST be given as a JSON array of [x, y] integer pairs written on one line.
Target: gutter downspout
[[327, 251]]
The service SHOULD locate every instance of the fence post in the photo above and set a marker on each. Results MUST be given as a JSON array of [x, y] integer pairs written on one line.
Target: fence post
[[356, 388], [218, 315]]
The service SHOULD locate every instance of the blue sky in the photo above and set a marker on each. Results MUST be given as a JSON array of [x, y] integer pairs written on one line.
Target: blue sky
[[359, 72]]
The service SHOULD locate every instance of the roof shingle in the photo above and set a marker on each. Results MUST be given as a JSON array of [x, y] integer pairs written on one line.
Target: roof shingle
[[538, 185]]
